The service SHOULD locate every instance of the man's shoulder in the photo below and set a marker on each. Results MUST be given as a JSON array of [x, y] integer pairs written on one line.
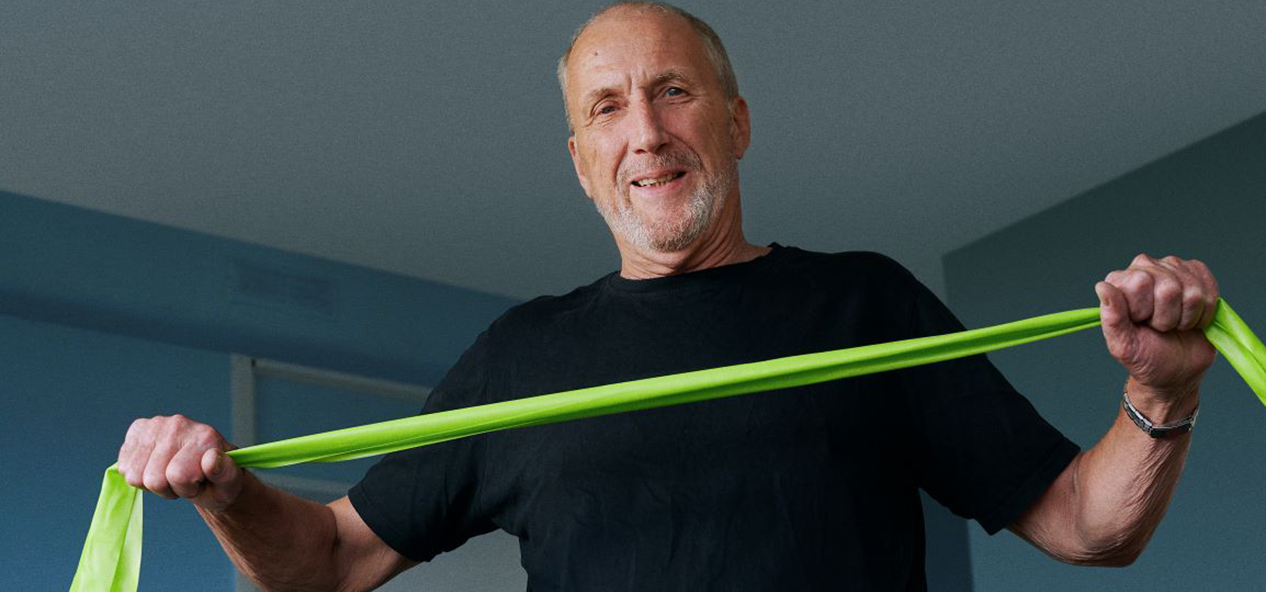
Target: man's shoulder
[[854, 268], [547, 310], [870, 261]]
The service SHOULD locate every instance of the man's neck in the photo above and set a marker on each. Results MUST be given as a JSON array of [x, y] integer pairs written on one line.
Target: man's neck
[[710, 250]]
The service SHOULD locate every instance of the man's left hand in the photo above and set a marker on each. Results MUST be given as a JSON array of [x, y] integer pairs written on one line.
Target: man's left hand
[[1153, 315]]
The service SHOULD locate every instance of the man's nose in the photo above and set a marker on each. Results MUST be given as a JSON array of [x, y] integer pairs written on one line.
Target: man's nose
[[648, 133]]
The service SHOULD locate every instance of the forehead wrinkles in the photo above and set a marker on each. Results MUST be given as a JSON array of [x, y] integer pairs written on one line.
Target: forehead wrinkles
[[637, 56], [615, 49]]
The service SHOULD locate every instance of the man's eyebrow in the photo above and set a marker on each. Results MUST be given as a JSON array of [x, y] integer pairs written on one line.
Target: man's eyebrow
[[671, 76], [597, 94]]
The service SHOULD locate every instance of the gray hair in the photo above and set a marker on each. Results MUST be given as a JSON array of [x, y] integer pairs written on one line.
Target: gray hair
[[712, 46]]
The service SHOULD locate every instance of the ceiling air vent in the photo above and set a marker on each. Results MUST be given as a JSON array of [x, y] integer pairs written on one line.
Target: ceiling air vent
[[282, 289]]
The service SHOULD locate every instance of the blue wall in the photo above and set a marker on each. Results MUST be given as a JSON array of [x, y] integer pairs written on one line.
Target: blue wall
[[72, 266], [105, 319], [1207, 201], [69, 395]]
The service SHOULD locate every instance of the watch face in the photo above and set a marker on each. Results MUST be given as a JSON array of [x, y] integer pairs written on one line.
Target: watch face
[[1176, 430], [1158, 431]]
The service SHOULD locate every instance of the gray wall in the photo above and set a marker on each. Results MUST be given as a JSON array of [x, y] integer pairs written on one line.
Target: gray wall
[[427, 138], [1207, 201]]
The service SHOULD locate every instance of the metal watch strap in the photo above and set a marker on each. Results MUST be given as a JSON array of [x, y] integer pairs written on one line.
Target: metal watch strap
[[1164, 430]]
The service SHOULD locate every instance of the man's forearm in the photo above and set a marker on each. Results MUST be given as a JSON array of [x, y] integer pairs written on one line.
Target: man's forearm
[[1104, 508], [281, 541], [1125, 481]]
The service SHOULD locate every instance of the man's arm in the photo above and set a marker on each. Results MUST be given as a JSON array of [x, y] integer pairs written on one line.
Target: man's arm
[[281, 541], [1106, 504]]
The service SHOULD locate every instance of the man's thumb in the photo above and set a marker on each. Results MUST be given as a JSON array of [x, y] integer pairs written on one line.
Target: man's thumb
[[1115, 316], [218, 467]]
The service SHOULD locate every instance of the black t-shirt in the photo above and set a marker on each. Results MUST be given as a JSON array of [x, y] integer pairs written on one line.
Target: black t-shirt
[[810, 488]]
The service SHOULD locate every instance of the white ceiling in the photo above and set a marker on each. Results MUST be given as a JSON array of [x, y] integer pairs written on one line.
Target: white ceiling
[[428, 139]]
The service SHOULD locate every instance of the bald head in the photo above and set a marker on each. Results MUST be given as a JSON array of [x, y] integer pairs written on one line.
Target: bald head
[[712, 45]]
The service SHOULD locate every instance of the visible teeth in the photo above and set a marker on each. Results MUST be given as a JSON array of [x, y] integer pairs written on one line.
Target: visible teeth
[[655, 182]]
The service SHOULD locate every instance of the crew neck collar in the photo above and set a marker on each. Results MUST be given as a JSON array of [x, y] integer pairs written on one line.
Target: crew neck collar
[[702, 277]]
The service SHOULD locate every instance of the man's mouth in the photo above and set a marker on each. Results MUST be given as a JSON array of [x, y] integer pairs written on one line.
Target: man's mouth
[[657, 181]]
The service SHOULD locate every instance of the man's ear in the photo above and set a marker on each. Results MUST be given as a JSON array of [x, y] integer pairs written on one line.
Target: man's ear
[[740, 126], [575, 163]]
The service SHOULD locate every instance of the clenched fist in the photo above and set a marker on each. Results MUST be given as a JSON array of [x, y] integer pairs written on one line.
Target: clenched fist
[[176, 457], [1153, 314]]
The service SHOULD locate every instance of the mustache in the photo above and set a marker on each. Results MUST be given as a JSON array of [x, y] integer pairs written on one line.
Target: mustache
[[669, 160]]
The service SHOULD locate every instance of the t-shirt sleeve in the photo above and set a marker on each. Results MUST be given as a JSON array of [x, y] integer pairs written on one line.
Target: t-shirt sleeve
[[985, 453], [425, 501]]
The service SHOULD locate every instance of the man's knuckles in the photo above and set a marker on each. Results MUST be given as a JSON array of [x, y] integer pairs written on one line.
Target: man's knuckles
[[184, 475], [1168, 289], [163, 454], [135, 430], [1138, 287], [1202, 271], [155, 479], [133, 477], [1194, 305], [1167, 302], [1167, 293], [1135, 280]]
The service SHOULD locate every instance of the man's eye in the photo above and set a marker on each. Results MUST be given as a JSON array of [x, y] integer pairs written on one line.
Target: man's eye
[[605, 110], [673, 91]]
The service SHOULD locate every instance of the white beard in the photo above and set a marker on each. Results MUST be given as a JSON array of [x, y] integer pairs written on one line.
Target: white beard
[[674, 235]]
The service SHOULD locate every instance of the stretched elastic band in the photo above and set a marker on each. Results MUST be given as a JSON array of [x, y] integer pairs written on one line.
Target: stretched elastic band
[[111, 558]]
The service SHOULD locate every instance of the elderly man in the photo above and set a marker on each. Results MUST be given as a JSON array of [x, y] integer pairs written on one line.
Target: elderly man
[[805, 488]]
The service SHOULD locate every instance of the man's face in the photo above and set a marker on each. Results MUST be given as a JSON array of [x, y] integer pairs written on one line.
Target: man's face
[[656, 141]]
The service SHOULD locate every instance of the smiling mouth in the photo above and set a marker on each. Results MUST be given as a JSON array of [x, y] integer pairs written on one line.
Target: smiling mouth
[[657, 181]]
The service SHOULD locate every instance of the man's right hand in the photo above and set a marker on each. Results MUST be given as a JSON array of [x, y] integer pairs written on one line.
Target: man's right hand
[[176, 457]]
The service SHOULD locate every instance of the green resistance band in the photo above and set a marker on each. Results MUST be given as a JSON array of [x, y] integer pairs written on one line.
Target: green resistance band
[[111, 558]]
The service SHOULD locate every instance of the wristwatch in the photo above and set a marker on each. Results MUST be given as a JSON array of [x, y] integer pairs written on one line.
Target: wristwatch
[[1164, 430]]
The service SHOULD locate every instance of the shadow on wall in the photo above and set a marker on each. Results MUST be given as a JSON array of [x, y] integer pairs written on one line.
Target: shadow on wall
[[1208, 202]]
